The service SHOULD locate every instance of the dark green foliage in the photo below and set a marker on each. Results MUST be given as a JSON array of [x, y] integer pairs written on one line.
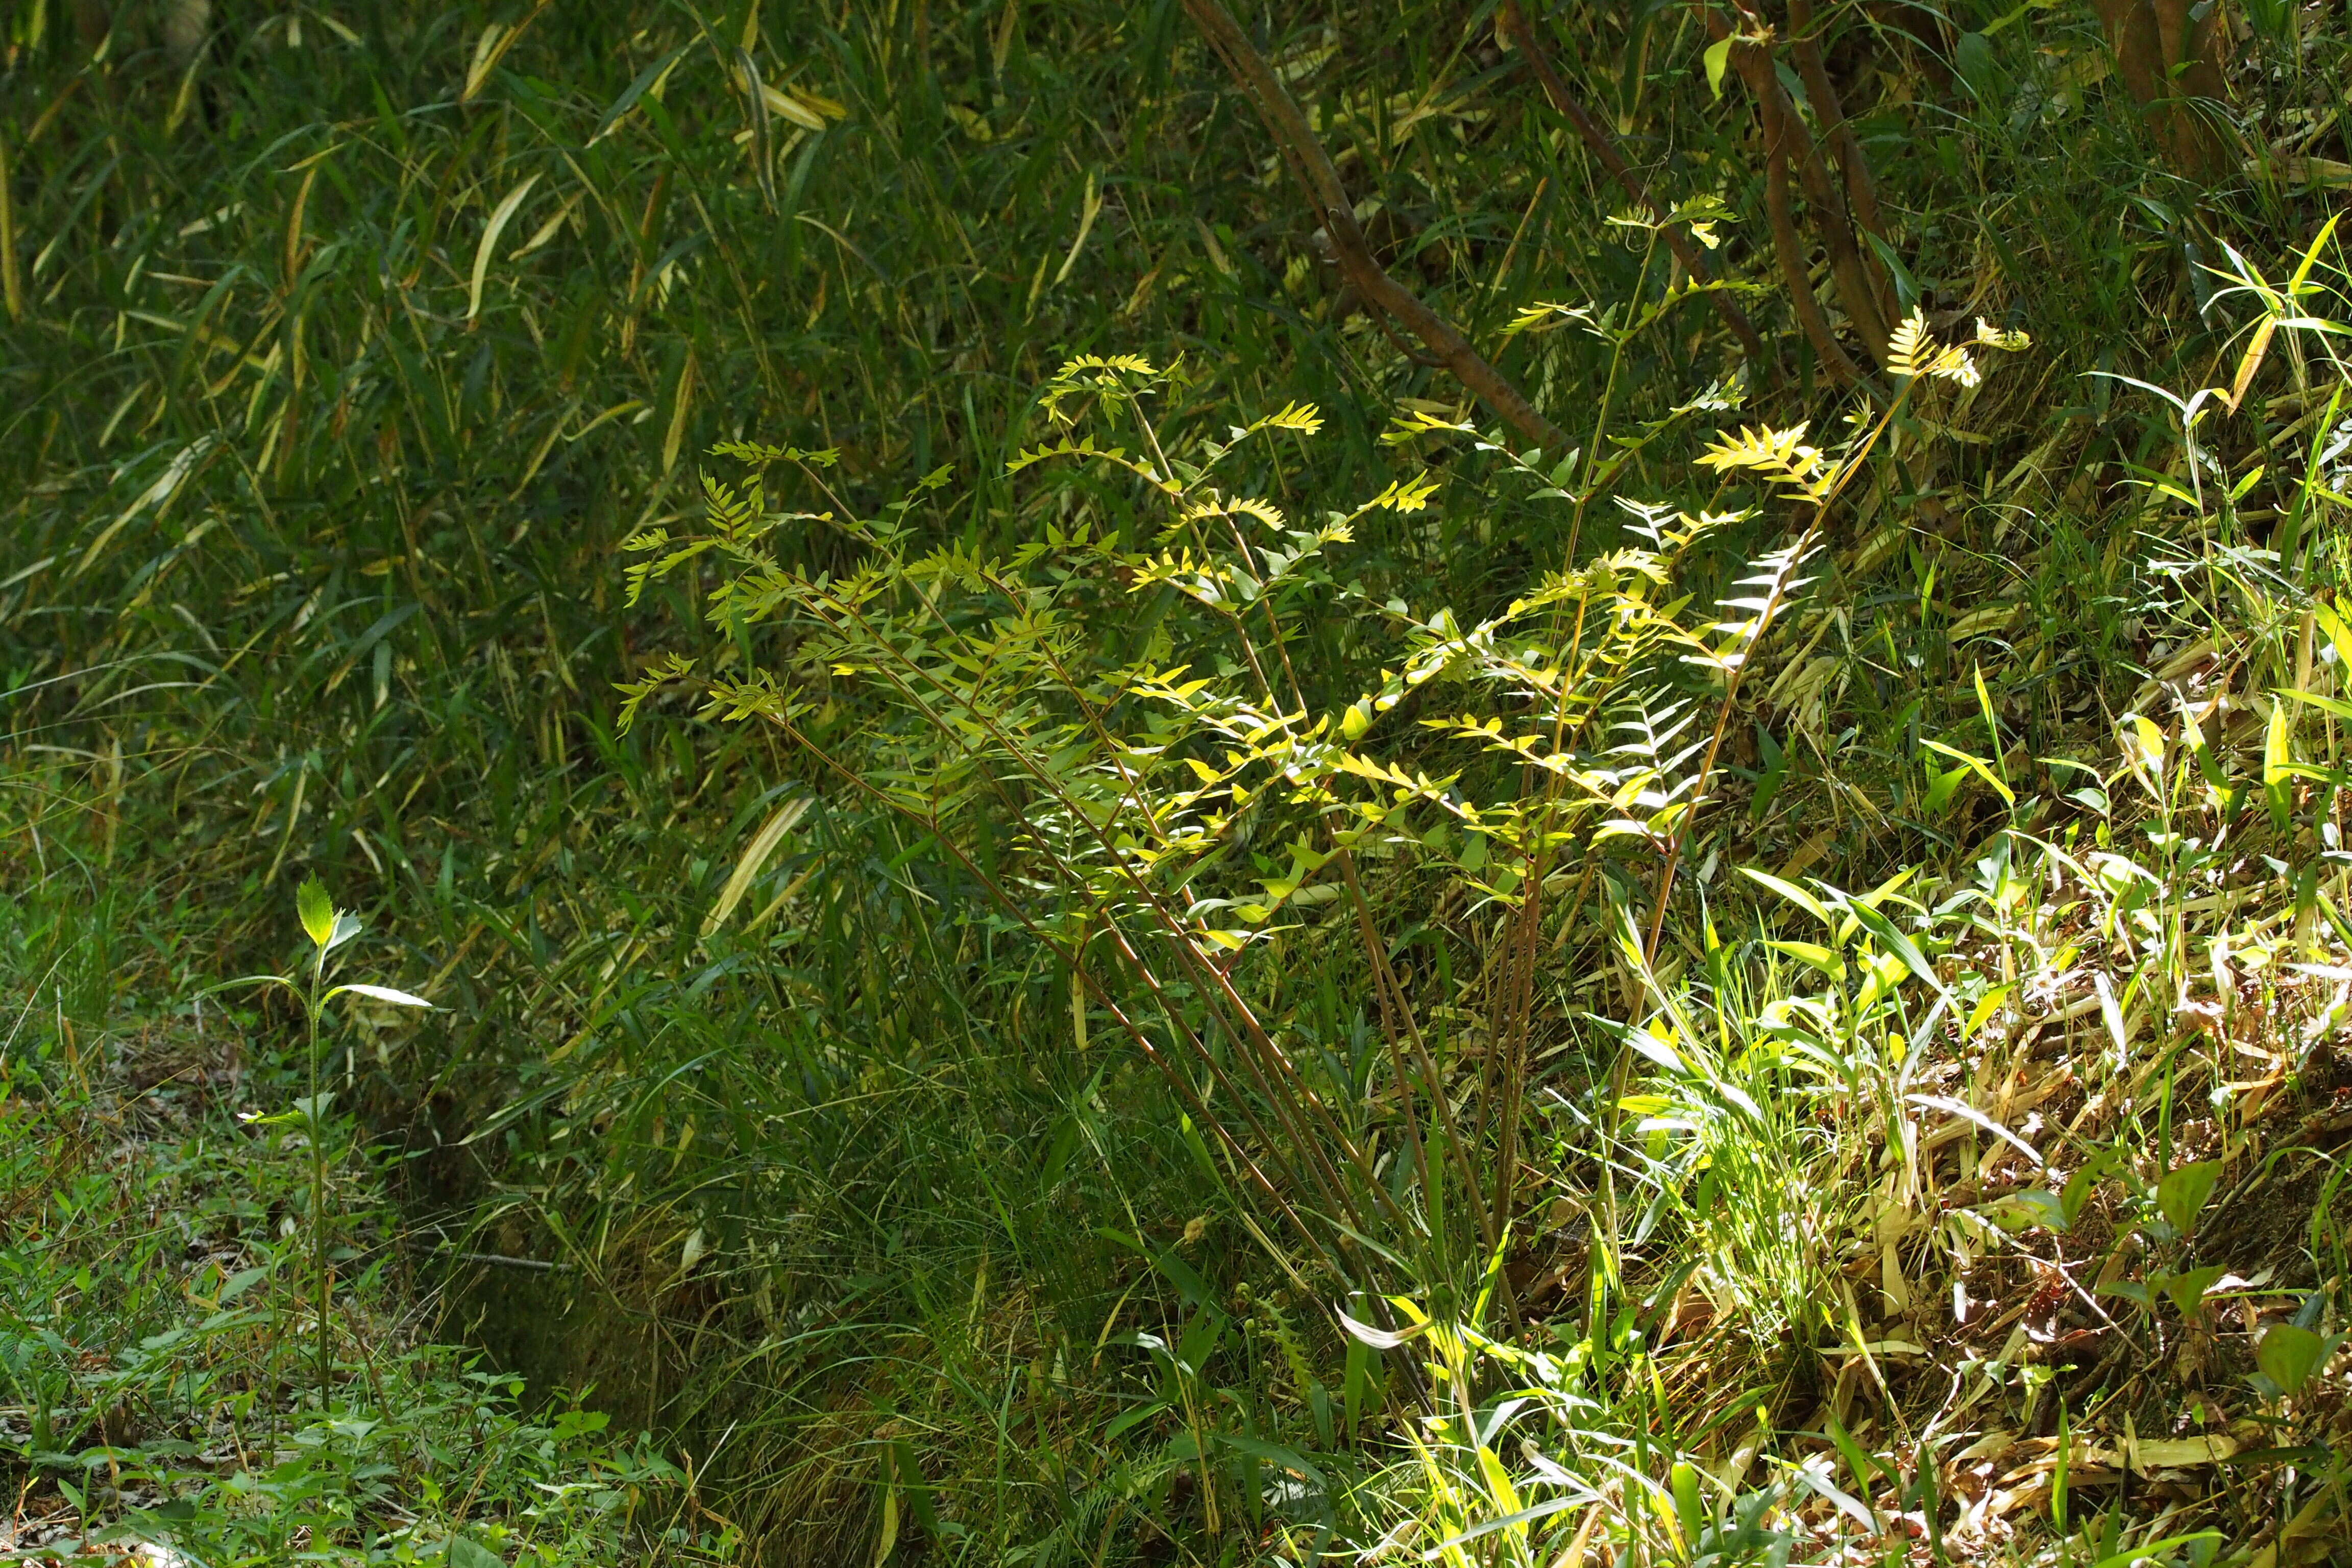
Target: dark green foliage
[[336, 378]]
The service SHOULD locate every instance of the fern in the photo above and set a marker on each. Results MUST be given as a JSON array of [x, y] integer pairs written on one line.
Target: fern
[[1303, 417], [1546, 316], [756, 453], [1265, 512], [1107, 771], [1774, 581], [1417, 422], [2006, 341], [1087, 448], [1127, 364], [1912, 354], [645, 572], [1781, 457], [660, 673], [1403, 496]]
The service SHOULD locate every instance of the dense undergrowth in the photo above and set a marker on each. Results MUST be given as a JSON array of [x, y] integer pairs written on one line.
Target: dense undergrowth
[[167, 1378], [1287, 993]]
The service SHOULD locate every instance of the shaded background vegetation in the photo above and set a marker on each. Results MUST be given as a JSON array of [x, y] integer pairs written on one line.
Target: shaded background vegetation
[[339, 361]]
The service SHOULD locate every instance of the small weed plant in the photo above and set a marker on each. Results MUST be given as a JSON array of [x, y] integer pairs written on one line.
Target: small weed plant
[[193, 1367]]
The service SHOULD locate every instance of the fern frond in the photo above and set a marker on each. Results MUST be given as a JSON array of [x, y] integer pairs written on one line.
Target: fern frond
[[1910, 350], [1911, 353], [1546, 315], [1954, 364], [1304, 418], [758, 452], [1421, 422], [660, 673], [1132, 364], [1265, 512], [1780, 456], [1720, 396], [1025, 457], [1403, 496], [754, 696], [661, 566], [732, 516], [1671, 531], [1065, 448], [1619, 563], [2007, 342]]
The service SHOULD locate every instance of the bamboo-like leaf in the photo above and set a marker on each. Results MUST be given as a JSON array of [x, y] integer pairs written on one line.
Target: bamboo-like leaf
[[2251, 362], [2278, 766], [1977, 765], [649, 80], [1793, 893], [1380, 1338], [499, 215], [492, 47], [803, 112], [1089, 209], [383, 993], [156, 496], [783, 820]]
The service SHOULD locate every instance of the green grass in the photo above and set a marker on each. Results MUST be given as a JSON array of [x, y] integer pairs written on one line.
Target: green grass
[[313, 567], [160, 1333]]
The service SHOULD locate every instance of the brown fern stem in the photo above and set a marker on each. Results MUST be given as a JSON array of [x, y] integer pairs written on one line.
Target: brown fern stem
[[1831, 219]]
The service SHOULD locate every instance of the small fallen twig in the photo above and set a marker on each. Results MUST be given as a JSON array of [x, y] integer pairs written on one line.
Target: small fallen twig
[[529, 1264]]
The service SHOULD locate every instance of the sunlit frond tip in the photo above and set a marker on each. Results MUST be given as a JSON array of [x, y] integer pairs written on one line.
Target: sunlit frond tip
[[1304, 418], [1912, 352], [1135, 364], [1778, 455]]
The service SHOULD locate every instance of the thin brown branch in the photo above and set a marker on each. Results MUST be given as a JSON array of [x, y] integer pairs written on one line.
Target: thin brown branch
[[1861, 190], [1603, 147], [1753, 61], [1396, 340], [1313, 167], [1752, 57], [1781, 217]]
